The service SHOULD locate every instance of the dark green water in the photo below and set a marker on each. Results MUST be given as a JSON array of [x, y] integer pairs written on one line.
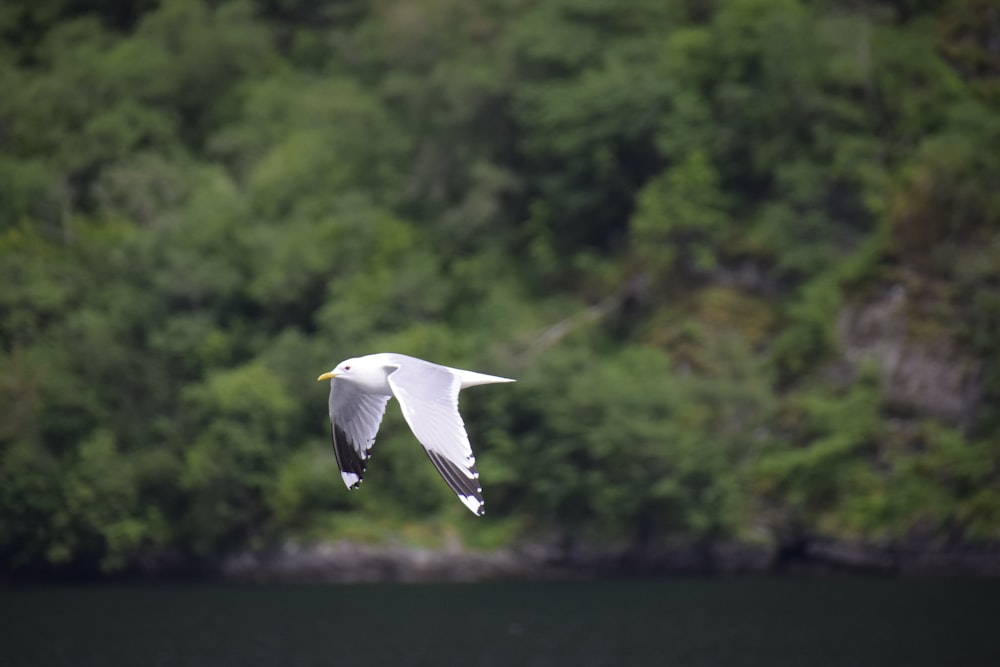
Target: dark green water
[[849, 621]]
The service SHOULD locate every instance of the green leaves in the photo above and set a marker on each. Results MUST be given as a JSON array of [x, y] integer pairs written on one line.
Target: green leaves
[[680, 218], [669, 220], [631, 448]]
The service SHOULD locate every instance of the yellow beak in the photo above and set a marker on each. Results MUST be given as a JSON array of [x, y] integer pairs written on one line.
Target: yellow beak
[[326, 376]]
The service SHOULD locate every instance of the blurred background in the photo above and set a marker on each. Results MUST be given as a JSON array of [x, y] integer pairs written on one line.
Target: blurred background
[[743, 257]]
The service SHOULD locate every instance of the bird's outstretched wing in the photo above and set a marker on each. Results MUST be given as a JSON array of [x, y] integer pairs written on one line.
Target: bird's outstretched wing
[[428, 396], [354, 421]]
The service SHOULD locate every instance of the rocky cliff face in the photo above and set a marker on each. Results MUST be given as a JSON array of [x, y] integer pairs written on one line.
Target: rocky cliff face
[[922, 374]]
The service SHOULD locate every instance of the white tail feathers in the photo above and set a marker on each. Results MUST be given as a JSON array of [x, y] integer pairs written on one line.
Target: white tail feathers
[[471, 378]]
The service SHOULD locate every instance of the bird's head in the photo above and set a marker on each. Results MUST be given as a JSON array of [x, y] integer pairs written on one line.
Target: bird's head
[[341, 370]]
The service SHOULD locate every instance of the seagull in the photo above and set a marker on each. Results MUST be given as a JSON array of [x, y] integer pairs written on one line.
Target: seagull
[[428, 395]]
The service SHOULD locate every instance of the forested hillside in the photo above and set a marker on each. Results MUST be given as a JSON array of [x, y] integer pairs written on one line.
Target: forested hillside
[[743, 257]]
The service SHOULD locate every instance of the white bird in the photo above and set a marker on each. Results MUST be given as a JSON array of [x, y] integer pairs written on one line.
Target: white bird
[[428, 396]]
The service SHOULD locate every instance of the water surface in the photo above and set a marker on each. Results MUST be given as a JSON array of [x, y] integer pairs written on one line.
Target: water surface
[[753, 621]]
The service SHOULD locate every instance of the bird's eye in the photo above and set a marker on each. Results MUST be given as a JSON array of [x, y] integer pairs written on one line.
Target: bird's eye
[[347, 368]]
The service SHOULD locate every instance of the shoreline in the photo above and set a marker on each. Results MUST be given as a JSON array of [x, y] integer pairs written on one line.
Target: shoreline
[[347, 561], [352, 562]]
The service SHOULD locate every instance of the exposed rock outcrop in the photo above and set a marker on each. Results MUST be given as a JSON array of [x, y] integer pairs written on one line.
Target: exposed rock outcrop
[[927, 375]]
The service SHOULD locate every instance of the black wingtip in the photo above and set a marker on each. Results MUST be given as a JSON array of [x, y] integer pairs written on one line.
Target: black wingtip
[[349, 460], [468, 489]]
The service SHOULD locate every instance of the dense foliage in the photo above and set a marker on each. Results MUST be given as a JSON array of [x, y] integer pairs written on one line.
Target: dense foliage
[[744, 258]]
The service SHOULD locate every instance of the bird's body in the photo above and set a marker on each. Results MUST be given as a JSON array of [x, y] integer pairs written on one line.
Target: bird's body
[[428, 395]]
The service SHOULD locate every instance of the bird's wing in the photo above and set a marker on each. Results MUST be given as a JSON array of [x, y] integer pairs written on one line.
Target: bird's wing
[[354, 420], [428, 396]]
